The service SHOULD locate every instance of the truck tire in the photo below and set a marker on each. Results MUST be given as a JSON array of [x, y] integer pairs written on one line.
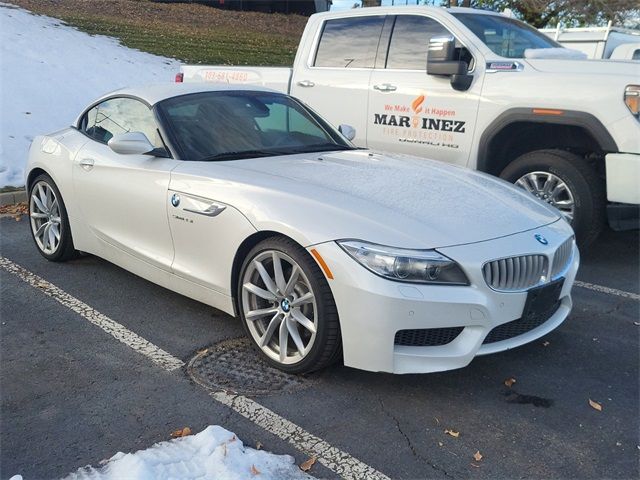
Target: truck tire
[[572, 186]]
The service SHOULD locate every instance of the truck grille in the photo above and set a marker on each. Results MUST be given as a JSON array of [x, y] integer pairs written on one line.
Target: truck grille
[[562, 257], [515, 273], [427, 337]]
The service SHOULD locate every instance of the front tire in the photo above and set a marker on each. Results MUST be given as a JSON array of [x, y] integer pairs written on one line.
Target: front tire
[[287, 308], [49, 221], [566, 181]]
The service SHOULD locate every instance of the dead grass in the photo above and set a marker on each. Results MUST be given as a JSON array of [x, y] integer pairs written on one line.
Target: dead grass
[[189, 32]]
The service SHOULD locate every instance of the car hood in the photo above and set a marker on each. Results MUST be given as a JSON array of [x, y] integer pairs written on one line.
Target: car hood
[[587, 67], [400, 200]]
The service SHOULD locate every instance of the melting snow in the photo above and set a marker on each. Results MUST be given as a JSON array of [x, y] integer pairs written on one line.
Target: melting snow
[[50, 72], [214, 453]]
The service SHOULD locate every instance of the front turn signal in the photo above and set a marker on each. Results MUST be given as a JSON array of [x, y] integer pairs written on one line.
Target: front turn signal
[[632, 98]]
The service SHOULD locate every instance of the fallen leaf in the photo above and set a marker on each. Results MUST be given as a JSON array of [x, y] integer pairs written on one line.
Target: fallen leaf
[[477, 456], [509, 382], [258, 446], [440, 444], [595, 405], [453, 433], [203, 351], [254, 470], [17, 218], [545, 344], [474, 465], [437, 421], [307, 464], [184, 432]]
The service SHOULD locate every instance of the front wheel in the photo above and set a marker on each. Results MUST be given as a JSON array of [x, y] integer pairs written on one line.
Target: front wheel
[[49, 222], [287, 308], [565, 181]]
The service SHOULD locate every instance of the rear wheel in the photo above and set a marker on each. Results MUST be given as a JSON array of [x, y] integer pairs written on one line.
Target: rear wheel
[[287, 308], [565, 181], [49, 222]]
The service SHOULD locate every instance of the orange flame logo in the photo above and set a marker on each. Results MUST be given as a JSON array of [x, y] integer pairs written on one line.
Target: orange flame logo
[[416, 104]]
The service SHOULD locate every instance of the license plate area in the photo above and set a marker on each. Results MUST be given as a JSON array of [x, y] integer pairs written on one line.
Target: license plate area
[[542, 301]]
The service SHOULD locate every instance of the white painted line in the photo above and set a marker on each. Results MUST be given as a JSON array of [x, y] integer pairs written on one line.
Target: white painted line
[[338, 461], [119, 332], [610, 291]]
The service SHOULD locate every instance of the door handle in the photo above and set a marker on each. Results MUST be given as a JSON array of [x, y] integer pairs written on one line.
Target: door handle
[[211, 211], [385, 87], [306, 83], [87, 163]]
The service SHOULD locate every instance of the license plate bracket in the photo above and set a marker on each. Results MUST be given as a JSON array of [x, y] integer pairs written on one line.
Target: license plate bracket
[[543, 300]]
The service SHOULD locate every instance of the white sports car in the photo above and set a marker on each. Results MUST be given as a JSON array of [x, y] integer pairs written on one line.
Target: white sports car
[[248, 201]]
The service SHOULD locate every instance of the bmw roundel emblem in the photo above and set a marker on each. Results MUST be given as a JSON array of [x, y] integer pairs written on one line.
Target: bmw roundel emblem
[[541, 239], [175, 199]]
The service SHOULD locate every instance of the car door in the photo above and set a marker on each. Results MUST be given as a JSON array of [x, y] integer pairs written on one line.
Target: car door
[[416, 113], [123, 198], [334, 80]]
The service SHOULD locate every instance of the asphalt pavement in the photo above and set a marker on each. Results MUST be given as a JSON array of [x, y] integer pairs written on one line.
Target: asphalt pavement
[[72, 395]]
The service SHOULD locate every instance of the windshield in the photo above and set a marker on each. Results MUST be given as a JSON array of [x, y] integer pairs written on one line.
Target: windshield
[[505, 36], [227, 125]]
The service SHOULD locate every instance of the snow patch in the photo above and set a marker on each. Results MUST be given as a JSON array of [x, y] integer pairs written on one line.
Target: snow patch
[[50, 72], [212, 453]]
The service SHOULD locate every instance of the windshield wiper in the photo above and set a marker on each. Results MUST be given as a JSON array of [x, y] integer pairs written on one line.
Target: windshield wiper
[[322, 147], [242, 154]]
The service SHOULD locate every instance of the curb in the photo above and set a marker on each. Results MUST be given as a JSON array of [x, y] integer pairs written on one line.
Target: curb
[[9, 198]]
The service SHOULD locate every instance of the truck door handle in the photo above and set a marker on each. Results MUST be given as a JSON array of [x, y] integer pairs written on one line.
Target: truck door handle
[[87, 163], [385, 87], [211, 211], [306, 83]]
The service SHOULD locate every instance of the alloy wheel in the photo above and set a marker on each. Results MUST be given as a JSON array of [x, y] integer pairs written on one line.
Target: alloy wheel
[[279, 307], [44, 213], [551, 189]]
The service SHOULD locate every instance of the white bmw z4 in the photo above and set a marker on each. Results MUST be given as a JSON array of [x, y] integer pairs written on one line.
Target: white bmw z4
[[248, 201]]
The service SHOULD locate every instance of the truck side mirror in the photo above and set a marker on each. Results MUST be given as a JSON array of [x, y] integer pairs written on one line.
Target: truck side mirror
[[440, 61]]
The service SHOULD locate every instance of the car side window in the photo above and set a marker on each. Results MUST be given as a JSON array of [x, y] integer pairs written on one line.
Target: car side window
[[349, 42], [120, 115], [410, 41]]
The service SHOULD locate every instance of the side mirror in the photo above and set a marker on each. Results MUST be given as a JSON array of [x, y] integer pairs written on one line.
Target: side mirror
[[130, 143], [347, 131], [440, 61]]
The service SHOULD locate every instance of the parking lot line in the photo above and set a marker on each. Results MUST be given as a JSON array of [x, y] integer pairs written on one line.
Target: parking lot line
[[338, 461], [610, 291]]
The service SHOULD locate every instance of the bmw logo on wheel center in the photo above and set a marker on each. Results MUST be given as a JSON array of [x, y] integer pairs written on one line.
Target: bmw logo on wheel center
[[541, 239]]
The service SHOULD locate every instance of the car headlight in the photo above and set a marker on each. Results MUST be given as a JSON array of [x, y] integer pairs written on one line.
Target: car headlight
[[405, 265], [632, 98]]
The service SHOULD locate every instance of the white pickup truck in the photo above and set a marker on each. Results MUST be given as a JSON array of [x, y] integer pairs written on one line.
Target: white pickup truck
[[477, 89]]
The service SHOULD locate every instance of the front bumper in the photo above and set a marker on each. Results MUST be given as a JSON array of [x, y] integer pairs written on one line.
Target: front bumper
[[372, 309], [623, 177]]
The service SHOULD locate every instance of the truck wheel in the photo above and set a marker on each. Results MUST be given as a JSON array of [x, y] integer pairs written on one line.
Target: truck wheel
[[564, 180]]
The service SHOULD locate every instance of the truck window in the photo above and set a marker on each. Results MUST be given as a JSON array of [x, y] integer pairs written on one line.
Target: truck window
[[505, 36], [349, 42], [410, 41]]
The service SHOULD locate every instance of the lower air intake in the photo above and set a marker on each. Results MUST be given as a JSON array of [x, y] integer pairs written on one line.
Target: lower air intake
[[427, 337]]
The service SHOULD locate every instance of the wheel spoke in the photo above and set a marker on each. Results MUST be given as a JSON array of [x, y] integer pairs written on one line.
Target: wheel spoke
[[268, 282], [54, 207], [273, 324], [52, 237], [55, 228], [283, 340], [263, 312], [45, 236], [43, 198], [39, 215], [295, 336], [295, 274], [299, 317], [277, 273], [304, 299], [41, 229], [260, 292], [38, 203]]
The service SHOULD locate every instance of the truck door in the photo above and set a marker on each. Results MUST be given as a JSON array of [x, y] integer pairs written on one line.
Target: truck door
[[416, 113], [334, 79]]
